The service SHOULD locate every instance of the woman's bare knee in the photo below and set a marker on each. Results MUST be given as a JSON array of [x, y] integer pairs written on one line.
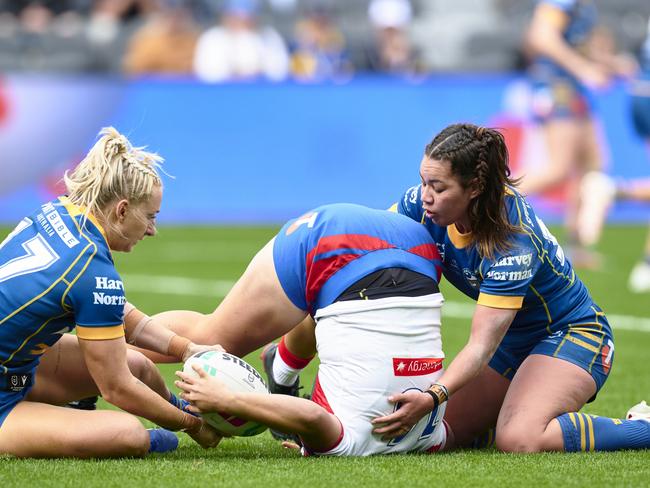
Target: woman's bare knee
[[518, 439], [131, 438], [527, 434], [121, 435]]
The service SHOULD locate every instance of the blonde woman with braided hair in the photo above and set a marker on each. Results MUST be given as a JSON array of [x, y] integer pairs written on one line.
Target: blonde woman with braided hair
[[539, 347], [57, 274]]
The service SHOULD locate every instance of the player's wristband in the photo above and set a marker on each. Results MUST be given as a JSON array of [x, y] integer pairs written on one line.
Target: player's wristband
[[443, 389], [132, 335], [439, 393], [436, 401], [190, 424], [177, 346]]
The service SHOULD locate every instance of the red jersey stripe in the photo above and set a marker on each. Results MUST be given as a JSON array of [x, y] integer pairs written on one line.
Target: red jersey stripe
[[348, 241], [427, 251], [318, 271], [430, 252], [321, 271]]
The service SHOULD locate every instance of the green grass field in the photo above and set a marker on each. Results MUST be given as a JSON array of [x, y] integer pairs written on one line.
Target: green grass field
[[192, 268]]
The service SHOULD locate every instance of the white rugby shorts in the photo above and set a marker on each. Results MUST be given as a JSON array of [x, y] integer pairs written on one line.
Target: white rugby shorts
[[368, 350]]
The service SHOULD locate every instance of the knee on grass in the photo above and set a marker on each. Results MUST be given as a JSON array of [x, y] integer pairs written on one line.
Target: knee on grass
[[118, 435], [129, 438], [518, 440]]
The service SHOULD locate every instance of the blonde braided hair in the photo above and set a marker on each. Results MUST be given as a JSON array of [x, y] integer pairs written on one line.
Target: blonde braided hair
[[112, 170]]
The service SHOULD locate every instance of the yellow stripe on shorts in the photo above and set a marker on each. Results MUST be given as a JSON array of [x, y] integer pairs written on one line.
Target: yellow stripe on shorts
[[582, 343]]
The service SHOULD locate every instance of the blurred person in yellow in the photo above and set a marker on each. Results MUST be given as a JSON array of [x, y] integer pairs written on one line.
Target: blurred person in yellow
[[165, 44], [318, 49]]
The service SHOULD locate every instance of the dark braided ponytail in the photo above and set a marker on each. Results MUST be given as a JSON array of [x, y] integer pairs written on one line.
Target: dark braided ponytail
[[478, 156]]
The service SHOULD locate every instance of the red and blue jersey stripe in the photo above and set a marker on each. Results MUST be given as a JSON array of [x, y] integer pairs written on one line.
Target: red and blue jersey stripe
[[320, 254]]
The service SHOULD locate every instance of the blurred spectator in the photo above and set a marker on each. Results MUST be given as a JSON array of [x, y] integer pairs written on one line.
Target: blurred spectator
[[391, 51], [318, 50], [283, 5], [108, 15], [165, 44], [238, 49], [35, 17], [39, 16], [43, 8], [47, 36]]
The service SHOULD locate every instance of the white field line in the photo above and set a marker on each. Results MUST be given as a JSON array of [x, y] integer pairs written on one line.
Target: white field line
[[176, 285], [461, 310]]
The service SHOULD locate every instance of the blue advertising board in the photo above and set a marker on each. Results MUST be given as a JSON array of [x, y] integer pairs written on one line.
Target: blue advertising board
[[263, 152]]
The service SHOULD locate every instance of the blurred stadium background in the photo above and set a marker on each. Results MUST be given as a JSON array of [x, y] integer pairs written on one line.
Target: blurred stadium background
[[351, 93]]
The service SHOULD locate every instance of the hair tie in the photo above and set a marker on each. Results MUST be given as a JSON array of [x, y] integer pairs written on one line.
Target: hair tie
[[119, 145]]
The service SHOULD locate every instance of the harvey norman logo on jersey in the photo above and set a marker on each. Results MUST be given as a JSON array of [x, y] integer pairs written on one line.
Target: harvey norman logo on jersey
[[523, 261], [101, 298]]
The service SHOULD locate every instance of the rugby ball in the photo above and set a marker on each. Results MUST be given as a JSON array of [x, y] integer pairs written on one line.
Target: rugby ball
[[237, 375]]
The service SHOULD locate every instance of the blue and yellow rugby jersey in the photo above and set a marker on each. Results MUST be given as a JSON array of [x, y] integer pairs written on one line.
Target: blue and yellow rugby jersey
[[54, 275], [581, 18], [556, 93], [320, 254], [533, 277]]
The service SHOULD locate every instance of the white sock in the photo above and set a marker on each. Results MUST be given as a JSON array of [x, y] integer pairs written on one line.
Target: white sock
[[283, 374]]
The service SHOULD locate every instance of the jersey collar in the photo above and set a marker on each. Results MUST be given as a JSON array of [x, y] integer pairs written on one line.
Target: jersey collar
[[458, 239], [75, 211]]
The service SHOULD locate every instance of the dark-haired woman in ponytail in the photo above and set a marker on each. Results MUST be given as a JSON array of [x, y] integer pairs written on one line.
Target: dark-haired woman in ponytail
[[539, 347]]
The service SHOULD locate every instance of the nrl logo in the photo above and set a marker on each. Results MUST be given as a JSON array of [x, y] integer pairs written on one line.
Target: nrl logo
[[18, 382], [441, 250], [471, 278]]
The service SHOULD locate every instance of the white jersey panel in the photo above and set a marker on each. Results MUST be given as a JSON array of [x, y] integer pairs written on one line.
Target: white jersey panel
[[370, 349]]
